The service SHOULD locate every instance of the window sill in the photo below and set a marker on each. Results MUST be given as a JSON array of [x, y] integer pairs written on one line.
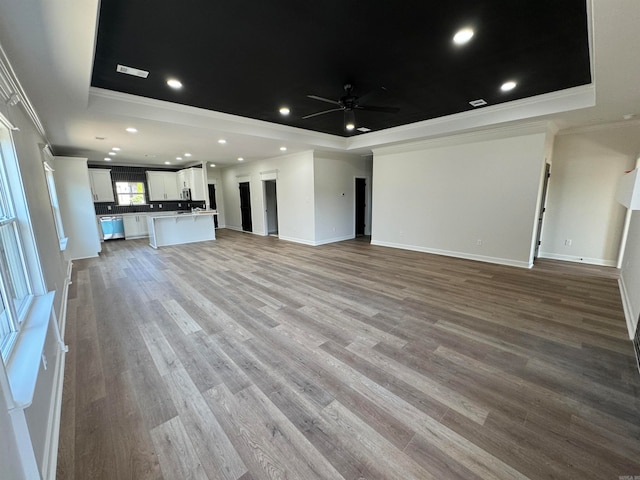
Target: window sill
[[63, 244], [24, 361]]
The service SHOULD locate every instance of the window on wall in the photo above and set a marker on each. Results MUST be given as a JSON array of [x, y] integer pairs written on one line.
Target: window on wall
[[55, 207], [15, 286], [130, 193]]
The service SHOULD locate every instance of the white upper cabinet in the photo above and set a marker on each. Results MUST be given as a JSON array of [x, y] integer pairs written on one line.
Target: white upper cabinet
[[193, 178], [163, 186], [101, 186]]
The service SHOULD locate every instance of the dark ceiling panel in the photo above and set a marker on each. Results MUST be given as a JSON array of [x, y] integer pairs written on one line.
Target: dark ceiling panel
[[248, 57]]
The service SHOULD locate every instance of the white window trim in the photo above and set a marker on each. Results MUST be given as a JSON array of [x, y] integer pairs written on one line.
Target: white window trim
[[53, 197]]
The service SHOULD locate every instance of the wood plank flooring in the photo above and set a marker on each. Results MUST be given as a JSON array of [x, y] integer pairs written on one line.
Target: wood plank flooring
[[254, 358]]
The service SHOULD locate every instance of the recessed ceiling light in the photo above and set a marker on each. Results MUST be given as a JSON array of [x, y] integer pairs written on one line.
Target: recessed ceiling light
[[240, 159], [349, 126], [463, 36], [167, 163], [222, 141], [187, 154], [212, 165], [116, 149], [283, 149], [112, 153], [510, 85], [178, 158], [173, 83], [107, 159], [132, 130], [285, 111]]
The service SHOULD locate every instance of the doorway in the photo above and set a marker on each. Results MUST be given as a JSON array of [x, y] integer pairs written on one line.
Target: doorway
[[543, 200], [245, 206], [212, 202], [271, 207], [361, 206]]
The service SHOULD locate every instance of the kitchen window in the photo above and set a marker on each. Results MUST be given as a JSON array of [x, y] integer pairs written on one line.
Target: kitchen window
[[130, 193]]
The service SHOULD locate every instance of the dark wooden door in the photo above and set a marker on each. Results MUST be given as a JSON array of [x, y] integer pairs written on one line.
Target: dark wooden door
[[212, 202], [245, 206], [361, 186], [543, 200]]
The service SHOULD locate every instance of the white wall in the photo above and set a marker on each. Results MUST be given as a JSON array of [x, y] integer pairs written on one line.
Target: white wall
[[581, 204], [76, 207], [335, 195], [40, 417], [445, 196], [295, 186], [630, 275]]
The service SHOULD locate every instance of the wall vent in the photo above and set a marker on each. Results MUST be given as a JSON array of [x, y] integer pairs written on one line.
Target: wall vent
[[477, 103], [136, 72]]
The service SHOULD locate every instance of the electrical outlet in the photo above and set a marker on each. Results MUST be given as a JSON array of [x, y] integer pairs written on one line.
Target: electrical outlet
[[151, 206], [479, 242], [160, 206], [108, 207], [567, 242], [179, 205]]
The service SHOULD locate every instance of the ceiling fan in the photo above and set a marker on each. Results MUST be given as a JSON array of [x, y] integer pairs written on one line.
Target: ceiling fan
[[348, 103]]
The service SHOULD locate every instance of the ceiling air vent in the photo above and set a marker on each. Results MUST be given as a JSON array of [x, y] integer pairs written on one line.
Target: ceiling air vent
[[136, 72], [363, 129], [477, 103]]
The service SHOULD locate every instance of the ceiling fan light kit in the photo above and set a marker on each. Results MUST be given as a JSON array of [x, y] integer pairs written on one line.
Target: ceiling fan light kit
[[348, 103]]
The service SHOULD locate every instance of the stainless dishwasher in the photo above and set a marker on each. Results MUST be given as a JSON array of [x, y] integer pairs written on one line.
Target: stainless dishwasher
[[112, 227]]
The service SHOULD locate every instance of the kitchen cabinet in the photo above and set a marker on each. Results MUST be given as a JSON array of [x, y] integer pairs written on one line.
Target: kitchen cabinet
[[193, 178], [101, 185], [163, 186], [135, 226]]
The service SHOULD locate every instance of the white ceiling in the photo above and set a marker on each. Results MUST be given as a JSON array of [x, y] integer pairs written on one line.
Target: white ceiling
[[50, 44]]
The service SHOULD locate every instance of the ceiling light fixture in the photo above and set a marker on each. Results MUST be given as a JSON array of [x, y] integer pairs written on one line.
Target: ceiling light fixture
[[349, 120], [283, 149], [285, 111], [222, 141], [510, 85], [132, 130], [107, 159], [240, 159], [212, 165], [178, 158], [112, 153], [175, 84], [463, 36], [187, 154], [116, 149], [167, 163]]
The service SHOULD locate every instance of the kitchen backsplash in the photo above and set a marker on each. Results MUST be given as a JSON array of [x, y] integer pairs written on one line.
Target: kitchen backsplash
[[103, 208], [137, 174]]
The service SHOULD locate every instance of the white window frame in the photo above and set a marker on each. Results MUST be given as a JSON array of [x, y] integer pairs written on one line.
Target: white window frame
[[144, 193], [53, 197]]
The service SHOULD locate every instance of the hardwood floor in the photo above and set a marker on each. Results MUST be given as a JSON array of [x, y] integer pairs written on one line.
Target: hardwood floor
[[254, 358]]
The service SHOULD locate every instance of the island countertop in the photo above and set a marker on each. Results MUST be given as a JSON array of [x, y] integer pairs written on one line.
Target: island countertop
[[181, 228]]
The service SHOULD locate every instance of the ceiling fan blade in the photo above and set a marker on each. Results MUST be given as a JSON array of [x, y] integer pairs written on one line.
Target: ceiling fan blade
[[322, 99], [372, 108], [323, 112]]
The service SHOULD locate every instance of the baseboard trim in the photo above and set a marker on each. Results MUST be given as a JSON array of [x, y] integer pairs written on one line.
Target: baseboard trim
[[297, 240], [571, 258], [333, 240], [627, 308], [448, 253]]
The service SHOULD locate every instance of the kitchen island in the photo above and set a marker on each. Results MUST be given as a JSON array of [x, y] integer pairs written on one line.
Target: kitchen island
[[181, 228]]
